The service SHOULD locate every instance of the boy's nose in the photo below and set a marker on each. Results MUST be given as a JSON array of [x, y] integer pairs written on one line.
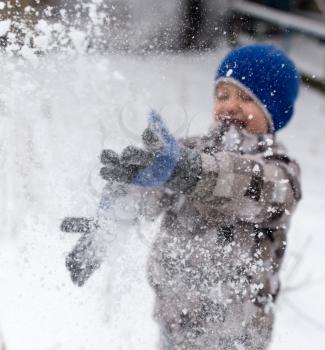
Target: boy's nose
[[233, 106]]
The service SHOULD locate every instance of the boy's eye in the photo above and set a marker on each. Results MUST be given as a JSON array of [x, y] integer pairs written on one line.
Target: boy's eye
[[245, 97], [222, 96]]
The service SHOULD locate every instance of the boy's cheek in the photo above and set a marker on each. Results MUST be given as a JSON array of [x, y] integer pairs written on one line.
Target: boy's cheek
[[257, 127], [216, 115]]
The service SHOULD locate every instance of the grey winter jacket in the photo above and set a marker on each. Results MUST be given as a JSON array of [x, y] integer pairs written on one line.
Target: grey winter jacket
[[214, 265]]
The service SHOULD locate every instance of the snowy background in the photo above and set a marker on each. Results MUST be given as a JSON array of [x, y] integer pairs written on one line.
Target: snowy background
[[57, 112]]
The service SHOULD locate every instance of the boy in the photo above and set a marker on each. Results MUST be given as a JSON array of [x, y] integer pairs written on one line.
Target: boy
[[227, 198]]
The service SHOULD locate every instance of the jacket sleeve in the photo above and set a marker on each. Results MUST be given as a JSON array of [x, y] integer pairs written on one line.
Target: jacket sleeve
[[254, 188], [151, 202]]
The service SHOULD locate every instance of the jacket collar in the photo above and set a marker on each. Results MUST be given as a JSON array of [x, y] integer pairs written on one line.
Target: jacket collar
[[230, 137]]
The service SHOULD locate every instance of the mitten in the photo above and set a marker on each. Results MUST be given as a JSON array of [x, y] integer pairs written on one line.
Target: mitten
[[162, 161], [84, 258]]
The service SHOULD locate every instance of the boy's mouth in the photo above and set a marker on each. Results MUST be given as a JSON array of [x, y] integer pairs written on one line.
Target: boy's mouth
[[233, 120]]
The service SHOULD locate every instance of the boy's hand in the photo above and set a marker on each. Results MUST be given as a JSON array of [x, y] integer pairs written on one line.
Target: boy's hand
[[83, 260], [124, 168], [77, 225], [148, 167]]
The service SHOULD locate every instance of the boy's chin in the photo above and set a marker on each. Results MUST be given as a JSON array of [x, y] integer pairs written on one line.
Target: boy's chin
[[233, 121], [228, 123]]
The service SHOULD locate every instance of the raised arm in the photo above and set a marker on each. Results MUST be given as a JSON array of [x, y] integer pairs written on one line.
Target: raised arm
[[257, 187]]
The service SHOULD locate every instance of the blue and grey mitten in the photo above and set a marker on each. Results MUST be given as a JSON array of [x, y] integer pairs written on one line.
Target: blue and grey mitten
[[162, 161], [83, 260], [91, 248]]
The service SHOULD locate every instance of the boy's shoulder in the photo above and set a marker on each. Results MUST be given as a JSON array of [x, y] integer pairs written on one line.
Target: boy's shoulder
[[279, 152]]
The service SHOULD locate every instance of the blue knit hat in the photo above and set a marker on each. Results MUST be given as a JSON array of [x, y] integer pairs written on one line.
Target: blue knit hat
[[268, 75]]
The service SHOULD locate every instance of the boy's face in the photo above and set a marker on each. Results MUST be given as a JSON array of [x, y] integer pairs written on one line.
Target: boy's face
[[236, 106]]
